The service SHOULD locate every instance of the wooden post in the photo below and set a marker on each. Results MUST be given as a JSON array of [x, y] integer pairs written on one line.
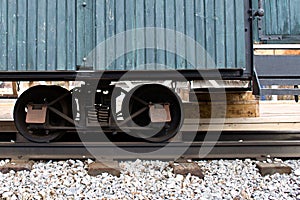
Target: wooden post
[[14, 89]]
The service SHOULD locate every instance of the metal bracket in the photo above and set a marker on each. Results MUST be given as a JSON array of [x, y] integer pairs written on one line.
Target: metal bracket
[[255, 83], [160, 113], [36, 114], [262, 35]]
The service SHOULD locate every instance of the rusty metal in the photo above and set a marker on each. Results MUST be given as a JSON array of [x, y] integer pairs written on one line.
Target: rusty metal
[[160, 113], [36, 114]]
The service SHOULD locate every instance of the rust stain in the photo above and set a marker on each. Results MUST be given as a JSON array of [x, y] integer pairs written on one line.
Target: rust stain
[[287, 52], [276, 52]]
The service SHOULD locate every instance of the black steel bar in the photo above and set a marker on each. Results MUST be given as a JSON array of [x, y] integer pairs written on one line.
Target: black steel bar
[[248, 21], [58, 99], [62, 115], [225, 74], [293, 91], [120, 150], [277, 66]]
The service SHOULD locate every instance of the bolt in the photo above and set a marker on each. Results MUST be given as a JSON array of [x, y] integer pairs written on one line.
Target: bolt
[[84, 4]]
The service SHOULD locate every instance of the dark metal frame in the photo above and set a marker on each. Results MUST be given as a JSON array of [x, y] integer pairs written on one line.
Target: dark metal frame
[[226, 74], [276, 70]]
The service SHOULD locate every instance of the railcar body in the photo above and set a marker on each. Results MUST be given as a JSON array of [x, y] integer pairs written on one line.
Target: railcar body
[[101, 40], [47, 36]]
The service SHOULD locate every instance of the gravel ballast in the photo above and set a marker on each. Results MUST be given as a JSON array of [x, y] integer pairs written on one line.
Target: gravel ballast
[[224, 179]]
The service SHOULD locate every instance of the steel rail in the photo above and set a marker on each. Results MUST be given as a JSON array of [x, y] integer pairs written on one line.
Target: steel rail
[[231, 144], [228, 149]]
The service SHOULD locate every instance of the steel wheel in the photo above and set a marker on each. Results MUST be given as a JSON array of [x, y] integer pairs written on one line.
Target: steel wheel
[[138, 101], [42, 95]]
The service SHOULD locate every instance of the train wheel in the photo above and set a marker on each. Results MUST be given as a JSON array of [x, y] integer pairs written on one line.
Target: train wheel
[[138, 103], [43, 95]]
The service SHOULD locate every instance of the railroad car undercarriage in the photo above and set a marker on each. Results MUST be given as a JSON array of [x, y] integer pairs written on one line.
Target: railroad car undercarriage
[[150, 112], [44, 113]]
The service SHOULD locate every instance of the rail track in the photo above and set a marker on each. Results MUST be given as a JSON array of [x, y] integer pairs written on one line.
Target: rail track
[[231, 144]]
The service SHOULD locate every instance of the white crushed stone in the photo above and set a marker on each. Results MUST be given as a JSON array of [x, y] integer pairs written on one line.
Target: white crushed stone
[[224, 179]]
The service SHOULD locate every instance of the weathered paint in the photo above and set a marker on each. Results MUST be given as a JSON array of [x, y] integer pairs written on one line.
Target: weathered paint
[[281, 18], [48, 35]]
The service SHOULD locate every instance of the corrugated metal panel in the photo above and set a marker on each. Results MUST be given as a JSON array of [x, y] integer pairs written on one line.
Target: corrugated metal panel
[[59, 34], [281, 18]]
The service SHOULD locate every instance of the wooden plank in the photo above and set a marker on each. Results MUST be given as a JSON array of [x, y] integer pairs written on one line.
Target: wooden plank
[[287, 52], [261, 52], [130, 41], [240, 48], [170, 24], [200, 34], [190, 32], [100, 34], [150, 34], [284, 20], [12, 35], [89, 31], [80, 30], [180, 27], [71, 34], [120, 27], [3, 35], [273, 168], [274, 17], [295, 17], [230, 34], [21, 35], [41, 34], [61, 35], [276, 46], [110, 32], [51, 35], [210, 30], [220, 34], [160, 19], [268, 17], [31, 36]]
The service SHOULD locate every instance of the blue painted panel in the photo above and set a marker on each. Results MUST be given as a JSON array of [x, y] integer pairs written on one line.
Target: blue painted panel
[[32, 36], [41, 35], [22, 35], [3, 35], [282, 18], [51, 60], [11, 35], [130, 39], [170, 16], [61, 34]]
